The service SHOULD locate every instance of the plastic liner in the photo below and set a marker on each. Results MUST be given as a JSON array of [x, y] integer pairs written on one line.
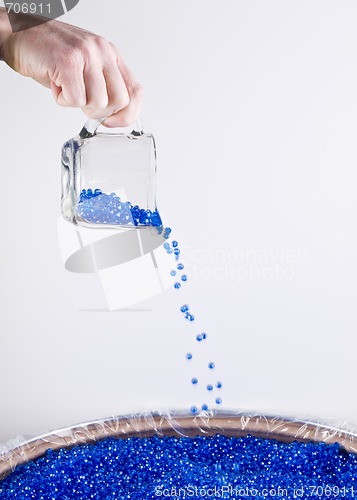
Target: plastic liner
[[230, 424]]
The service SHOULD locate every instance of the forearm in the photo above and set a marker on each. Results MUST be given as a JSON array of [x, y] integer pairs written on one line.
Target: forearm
[[5, 30], [82, 69]]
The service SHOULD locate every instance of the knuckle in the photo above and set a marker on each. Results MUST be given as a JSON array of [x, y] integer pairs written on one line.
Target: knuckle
[[102, 104], [72, 57], [91, 113], [100, 44], [97, 106], [121, 102], [76, 101], [137, 91], [113, 48]]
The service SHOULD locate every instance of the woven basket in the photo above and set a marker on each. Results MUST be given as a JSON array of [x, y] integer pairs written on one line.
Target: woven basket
[[145, 425]]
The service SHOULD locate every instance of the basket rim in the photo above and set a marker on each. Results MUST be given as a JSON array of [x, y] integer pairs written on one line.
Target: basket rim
[[180, 424]]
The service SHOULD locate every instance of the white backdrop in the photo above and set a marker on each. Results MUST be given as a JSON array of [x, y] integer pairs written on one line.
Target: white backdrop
[[253, 106]]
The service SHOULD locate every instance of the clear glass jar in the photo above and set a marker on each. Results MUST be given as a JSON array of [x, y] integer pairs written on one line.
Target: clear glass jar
[[109, 178]]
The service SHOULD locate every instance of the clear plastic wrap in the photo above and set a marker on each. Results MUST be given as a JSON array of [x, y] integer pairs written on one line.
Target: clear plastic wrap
[[227, 423]]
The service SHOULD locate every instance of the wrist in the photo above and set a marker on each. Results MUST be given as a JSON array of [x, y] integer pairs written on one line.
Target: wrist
[[5, 30]]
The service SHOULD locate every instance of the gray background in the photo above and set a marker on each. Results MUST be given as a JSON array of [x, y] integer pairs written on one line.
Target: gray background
[[253, 105]]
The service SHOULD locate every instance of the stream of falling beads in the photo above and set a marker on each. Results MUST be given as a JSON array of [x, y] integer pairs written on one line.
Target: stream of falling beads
[[181, 278], [97, 207]]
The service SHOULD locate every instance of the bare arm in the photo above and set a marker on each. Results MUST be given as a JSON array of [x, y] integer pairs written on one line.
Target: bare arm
[[82, 69]]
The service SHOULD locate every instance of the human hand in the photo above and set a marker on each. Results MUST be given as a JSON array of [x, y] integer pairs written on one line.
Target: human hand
[[82, 69]]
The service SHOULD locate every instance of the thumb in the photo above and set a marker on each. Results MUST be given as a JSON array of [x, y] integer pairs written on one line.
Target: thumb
[[73, 94], [56, 91], [58, 95]]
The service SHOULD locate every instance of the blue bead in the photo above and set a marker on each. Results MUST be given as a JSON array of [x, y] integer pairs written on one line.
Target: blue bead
[[188, 355], [184, 277], [174, 243], [176, 251], [131, 468], [205, 407], [177, 285], [189, 317], [100, 208], [173, 273], [199, 337], [194, 381], [169, 250], [211, 366], [184, 308], [218, 401], [166, 245], [204, 336], [180, 267], [194, 409], [168, 230], [210, 387], [218, 385]]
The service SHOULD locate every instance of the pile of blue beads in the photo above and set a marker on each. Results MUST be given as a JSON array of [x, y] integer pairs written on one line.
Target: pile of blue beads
[[201, 467], [96, 207], [180, 278]]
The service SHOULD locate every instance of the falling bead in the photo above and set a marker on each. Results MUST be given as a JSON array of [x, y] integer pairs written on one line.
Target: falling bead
[[199, 337], [188, 355], [189, 317], [180, 267], [218, 401], [174, 243], [168, 230], [194, 409], [177, 285], [211, 366], [173, 273], [219, 385], [204, 336], [210, 387], [184, 277], [194, 381], [205, 407], [184, 308]]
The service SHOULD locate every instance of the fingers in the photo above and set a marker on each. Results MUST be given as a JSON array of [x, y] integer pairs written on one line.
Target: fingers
[[96, 92], [99, 82], [69, 95], [67, 84], [129, 113]]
